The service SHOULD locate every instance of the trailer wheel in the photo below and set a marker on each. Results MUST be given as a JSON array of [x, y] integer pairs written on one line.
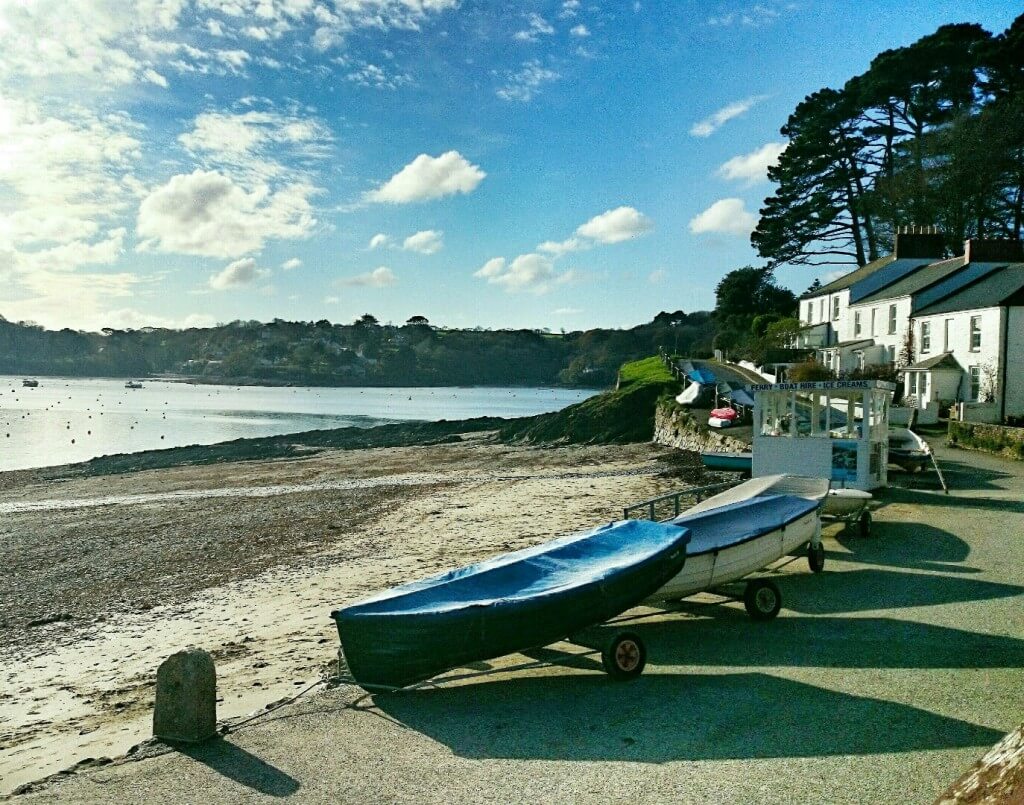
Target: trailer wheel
[[762, 599], [624, 656], [816, 557], [864, 524]]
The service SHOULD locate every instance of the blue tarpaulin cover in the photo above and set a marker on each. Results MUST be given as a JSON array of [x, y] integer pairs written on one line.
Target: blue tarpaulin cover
[[735, 523], [703, 376], [512, 602]]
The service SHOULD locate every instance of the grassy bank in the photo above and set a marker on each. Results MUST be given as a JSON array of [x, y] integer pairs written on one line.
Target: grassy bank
[[625, 414]]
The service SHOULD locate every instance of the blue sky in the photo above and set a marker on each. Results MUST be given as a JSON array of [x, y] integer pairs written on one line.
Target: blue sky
[[550, 164]]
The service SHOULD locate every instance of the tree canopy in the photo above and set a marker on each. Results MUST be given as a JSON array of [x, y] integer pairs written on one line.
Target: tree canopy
[[931, 133]]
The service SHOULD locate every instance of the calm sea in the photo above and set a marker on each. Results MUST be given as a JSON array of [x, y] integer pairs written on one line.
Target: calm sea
[[65, 420]]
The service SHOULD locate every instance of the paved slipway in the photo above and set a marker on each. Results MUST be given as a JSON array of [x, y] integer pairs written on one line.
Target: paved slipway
[[881, 680]]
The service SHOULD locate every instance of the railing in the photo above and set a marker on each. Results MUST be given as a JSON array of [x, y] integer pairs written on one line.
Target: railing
[[695, 492]]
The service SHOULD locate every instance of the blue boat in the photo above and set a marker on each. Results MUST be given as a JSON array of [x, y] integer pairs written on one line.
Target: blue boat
[[703, 376], [509, 603]]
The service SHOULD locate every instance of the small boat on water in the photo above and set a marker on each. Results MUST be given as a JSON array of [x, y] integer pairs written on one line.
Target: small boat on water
[[743, 530], [132, 384], [29, 383], [512, 602], [727, 462], [907, 450]]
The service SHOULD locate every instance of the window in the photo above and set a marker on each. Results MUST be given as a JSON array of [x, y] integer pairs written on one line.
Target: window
[[821, 309], [892, 319], [856, 323], [810, 312], [975, 333], [975, 372], [926, 337], [945, 334], [873, 311], [835, 308], [912, 382], [892, 353]]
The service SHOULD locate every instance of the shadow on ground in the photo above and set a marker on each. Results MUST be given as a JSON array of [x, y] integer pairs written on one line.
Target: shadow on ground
[[665, 717], [904, 545], [236, 764]]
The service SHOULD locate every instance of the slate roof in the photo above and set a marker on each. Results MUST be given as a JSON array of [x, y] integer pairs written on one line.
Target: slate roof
[[1000, 287], [856, 275], [927, 274], [944, 360]]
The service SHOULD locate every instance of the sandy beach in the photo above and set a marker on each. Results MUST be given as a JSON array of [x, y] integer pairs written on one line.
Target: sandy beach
[[108, 575]]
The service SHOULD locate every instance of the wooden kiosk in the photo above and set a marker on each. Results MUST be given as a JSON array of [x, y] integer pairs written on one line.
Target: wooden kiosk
[[836, 429]]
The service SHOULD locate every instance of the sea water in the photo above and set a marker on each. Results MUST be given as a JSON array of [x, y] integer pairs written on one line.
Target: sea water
[[64, 420]]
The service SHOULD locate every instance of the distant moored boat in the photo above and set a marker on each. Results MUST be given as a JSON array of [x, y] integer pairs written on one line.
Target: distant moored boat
[[132, 384], [30, 383]]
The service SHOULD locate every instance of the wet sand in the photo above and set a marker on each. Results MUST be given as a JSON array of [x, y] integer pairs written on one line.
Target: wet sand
[[108, 575]]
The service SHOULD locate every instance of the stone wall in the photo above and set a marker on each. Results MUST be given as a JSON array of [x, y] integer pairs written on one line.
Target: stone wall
[[675, 426], [998, 439]]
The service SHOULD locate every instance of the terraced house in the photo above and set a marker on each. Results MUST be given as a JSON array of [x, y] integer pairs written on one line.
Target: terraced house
[[953, 327]]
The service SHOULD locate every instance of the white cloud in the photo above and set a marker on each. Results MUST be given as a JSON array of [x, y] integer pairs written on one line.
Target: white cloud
[[214, 28], [235, 60], [332, 300], [727, 215], [429, 241], [532, 272], [657, 276], [524, 84], [567, 311], [292, 264], [206, 213], [569, 9], [428, 177], [615, 226], [752, 167], [753, 16], [580, 31], [714, 121], [373, 76], [153, 77], [536, 26], [379, 241], [380, 277], [238, 274], [559, 248]]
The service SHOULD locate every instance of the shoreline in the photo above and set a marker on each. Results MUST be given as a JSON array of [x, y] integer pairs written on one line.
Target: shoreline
[[97, 595]]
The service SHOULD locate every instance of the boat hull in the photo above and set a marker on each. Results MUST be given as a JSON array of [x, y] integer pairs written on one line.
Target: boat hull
[[392, 647], [844, 502], [706, 571], [733, 462]]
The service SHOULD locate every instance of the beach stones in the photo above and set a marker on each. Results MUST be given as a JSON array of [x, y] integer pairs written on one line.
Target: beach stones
[[186, 697]]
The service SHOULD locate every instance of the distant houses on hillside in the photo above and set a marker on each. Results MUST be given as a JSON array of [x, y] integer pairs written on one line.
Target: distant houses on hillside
[[953, 327]]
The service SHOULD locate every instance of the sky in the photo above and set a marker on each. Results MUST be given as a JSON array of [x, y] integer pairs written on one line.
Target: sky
[[565, 164]]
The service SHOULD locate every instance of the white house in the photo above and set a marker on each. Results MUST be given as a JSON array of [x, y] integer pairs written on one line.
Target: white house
[[913, 300], [970, 348]]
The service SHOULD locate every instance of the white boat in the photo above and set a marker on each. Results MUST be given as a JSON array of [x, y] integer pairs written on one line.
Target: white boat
[[132, 384], [29, 383], [745, 529], [844, 503], [908, 450]]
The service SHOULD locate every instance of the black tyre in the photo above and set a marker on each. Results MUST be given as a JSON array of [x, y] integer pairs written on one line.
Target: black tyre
[[864, 524], [624, 656], [762, 599], [816, 557]]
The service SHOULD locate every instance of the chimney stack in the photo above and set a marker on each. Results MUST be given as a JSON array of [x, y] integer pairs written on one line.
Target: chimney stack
[[919, 243], [993, 250]]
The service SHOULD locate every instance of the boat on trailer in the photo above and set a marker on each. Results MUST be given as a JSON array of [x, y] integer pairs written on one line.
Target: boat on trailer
[[744, 529], [510, 603], [907, 450]]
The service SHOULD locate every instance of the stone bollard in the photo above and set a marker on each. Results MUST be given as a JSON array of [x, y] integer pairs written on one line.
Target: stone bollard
[[186, 697]]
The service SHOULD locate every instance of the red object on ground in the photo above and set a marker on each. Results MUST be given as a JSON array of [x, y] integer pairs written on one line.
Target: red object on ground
[[724, 413]]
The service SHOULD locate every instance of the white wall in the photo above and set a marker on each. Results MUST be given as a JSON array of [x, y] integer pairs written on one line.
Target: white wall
[[880, 334], [821, 310], [1015, 362], [959, 341]]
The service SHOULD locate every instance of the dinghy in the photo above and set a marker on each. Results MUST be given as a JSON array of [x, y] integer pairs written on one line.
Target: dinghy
[[512, 602], [727, 462], [743, 530], [907, 450]]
